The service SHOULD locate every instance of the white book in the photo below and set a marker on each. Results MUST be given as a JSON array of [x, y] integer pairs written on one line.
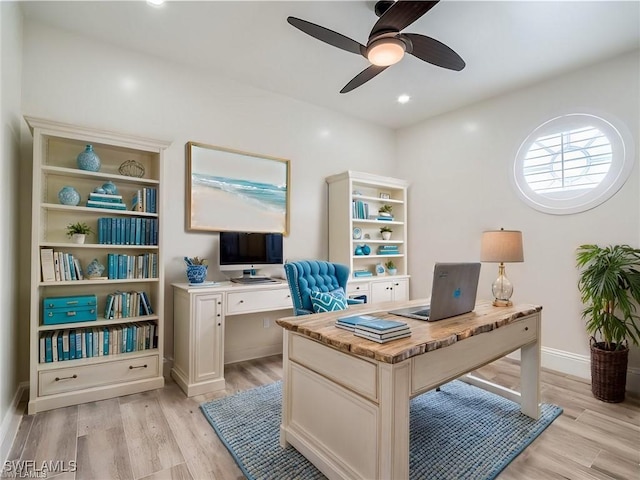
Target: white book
[[56, 265], [42, 343], [48, 266], [54, 346], [76, 265]]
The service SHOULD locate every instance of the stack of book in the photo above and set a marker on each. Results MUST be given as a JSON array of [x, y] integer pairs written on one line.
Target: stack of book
[[374, 328], [106, 200], [388, 250]]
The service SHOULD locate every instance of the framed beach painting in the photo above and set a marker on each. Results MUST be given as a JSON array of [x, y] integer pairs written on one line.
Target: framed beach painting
[[230, 190]]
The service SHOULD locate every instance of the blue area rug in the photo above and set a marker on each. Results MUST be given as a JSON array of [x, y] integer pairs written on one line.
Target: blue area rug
[[460, 432]]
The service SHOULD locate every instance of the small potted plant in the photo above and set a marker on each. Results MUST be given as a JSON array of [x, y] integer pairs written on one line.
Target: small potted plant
[[196, 269], [78, 231], [385, 210], [386, 232], [391, 267], [609, 285]]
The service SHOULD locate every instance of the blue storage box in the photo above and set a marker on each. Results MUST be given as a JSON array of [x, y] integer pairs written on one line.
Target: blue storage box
[[81, 308]]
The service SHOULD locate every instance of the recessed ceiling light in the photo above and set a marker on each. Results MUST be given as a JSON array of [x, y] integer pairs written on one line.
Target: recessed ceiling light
[[155, 3], [404, 98]]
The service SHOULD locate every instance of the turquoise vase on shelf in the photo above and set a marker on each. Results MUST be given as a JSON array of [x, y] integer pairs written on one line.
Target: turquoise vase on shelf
[[89, 160], [69, 196]]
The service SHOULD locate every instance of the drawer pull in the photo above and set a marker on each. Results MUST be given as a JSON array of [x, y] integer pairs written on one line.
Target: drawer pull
[[71, 314], [526, 329], [241, 301], [131, 367], [57, 379]]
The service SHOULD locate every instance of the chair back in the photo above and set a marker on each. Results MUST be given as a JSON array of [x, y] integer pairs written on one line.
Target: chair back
[[308, 276]]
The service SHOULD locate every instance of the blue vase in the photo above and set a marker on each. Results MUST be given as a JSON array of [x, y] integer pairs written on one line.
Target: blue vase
[[88, 160], [366, 249], [69, 196], [196, 273]]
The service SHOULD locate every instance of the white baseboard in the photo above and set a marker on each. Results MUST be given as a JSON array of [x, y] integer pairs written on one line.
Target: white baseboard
[[11, 422], [251, 353], [578, 366]]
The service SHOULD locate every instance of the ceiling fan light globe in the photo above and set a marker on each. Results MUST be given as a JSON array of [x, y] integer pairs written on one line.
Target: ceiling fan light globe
[[386, 51]]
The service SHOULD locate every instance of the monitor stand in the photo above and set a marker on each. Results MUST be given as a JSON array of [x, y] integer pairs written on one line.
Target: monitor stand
[[250, 277]]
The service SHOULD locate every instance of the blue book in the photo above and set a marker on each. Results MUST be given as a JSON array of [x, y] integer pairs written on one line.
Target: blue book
[[78, 344], [351, 321], [48, 349], [60, 347], [138, 230], [380, 326], [72, 344], [89, 343], [106, 342]]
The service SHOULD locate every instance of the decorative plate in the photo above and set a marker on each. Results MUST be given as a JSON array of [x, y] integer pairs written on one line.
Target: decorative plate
[[357, 233]]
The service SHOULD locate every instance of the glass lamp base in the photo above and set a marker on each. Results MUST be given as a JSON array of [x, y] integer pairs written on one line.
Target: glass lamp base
[[502, 303]]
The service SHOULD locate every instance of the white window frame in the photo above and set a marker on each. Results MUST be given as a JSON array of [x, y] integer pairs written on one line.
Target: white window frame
[[575, 201]]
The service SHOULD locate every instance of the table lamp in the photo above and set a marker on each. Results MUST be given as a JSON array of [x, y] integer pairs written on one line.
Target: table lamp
[[500, 246]]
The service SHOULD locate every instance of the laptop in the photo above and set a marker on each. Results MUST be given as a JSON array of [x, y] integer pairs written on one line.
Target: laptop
[[453, 292]]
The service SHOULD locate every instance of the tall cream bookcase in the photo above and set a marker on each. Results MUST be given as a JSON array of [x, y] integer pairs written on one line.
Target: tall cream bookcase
[[116, 356], [355, 199]]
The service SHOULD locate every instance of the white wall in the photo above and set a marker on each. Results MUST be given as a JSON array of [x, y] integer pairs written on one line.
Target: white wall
[[10, 371], [460, 163], [77, 80]]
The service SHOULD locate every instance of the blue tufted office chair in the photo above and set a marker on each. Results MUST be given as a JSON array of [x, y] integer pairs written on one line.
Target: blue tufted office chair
[[314, 275]]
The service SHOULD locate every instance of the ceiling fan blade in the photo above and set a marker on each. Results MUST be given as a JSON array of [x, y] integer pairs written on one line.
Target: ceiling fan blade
[[400, 15], [435, 52], [363, 77], [327, 36]]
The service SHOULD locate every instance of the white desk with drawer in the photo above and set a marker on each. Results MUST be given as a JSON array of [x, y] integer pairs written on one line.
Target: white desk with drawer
[[345, 400], [198, 327]]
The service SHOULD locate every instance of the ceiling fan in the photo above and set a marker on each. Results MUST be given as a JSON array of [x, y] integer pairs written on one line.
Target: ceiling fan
[[386, 45]]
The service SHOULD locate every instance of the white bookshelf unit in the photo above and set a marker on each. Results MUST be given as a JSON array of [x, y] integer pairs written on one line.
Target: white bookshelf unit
[[94, 375], [354, 201]]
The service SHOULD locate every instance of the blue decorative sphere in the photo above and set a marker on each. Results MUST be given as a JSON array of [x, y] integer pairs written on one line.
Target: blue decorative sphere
[[89, 160], [69, 196], [110, 188], [366, 249]]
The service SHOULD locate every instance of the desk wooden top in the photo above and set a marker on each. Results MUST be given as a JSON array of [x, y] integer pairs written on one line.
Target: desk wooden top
[[425, 336]]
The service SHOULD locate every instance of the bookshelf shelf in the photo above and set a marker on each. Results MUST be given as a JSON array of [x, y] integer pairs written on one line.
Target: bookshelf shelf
[[101, 322], [94, 375], [76, 173]]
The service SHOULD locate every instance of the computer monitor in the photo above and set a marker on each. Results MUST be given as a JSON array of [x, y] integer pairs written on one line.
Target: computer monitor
[[249, 251]]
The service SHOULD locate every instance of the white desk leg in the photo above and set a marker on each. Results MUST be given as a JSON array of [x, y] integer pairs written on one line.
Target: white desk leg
[[285, 388], [394, 420], [530, 376]]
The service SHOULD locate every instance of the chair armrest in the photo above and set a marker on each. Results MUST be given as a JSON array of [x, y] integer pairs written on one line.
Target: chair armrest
[[354, 301], [302, 311]]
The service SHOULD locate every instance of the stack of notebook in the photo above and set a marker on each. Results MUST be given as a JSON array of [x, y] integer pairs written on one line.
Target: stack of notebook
[[374, 328]]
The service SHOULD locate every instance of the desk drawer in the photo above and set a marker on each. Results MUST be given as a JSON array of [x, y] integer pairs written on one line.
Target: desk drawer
[[87, 376], [258, 301], [354, 373]]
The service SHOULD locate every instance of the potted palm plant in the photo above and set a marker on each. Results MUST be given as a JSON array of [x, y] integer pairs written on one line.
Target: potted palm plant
[[78, 231], [609, 285]]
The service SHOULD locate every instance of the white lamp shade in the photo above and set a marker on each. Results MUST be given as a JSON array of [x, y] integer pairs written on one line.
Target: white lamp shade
[[502, 246]]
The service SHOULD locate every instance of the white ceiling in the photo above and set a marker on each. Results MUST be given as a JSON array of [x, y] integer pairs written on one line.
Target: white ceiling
[[505, 44]]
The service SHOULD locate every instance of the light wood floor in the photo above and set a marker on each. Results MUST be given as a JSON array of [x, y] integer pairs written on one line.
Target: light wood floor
[[162, 434]]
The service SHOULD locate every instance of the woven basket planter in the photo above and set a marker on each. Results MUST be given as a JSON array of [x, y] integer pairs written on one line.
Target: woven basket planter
[[608, 373]]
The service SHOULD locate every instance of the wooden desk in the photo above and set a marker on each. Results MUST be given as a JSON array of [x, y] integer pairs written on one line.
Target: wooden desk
[[346, 399]]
